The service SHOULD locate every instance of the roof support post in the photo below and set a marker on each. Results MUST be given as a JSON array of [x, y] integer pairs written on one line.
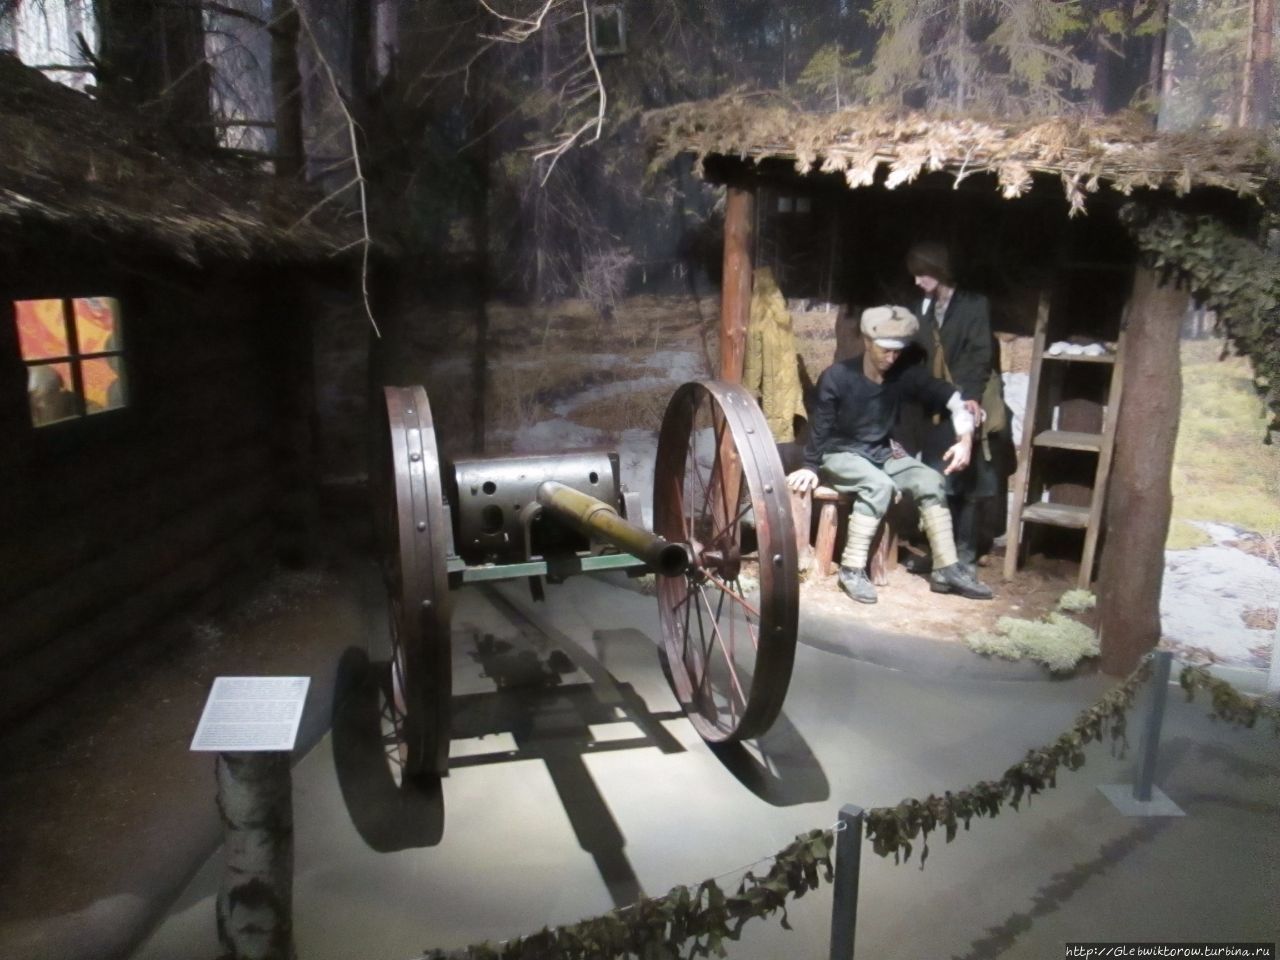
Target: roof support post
[[1139, 498], [735, 284]]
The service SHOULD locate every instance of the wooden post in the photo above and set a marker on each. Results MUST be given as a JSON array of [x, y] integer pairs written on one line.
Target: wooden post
[[255, 901], [735, 311], [802, 517], [1140, 499], [735, 286]]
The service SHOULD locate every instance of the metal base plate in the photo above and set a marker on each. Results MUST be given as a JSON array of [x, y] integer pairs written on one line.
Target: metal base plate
[[1122, 798]]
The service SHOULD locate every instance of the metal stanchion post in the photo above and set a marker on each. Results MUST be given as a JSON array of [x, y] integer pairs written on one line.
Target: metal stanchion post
[[1273, 678], [844, 893], [1144, 799], [1149, 749]]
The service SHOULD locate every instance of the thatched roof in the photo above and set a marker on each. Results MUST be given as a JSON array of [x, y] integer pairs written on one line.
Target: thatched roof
[[71, 161], [1085, 153]]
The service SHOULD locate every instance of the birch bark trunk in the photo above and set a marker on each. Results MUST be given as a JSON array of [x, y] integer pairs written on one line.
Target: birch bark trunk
[[255, 901]]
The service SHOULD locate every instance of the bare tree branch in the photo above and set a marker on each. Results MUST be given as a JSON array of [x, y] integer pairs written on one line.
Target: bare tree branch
[[520, 29], [327, 198], [366, 241], [560, 148]]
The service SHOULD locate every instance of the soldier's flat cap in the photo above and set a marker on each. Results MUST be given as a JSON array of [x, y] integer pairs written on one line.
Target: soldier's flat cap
[[890, 327]]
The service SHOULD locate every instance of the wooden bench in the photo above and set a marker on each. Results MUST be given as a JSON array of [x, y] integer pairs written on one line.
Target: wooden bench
[[833, 517]]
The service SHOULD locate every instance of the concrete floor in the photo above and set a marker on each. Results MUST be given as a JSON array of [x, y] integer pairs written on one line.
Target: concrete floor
[[567, 800]]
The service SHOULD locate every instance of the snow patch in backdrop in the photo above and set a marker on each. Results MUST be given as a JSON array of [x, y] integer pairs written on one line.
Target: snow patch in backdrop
[[551, 435], [1207, 592], [676, 366]]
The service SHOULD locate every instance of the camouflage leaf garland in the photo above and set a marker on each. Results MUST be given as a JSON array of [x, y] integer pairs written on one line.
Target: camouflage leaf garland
[[1227, 702], [699, 920], [891, 830]]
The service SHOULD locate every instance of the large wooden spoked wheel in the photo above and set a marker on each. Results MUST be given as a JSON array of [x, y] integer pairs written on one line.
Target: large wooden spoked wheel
[[729, 624], [414, 541]]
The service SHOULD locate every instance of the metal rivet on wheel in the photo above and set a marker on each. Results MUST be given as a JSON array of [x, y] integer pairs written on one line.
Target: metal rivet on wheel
[[426, 604], [415, 457], [777, 559], [422, 525], [768, 488]]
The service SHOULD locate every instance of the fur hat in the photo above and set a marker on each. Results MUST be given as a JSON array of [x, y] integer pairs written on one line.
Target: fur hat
[[890, 327]]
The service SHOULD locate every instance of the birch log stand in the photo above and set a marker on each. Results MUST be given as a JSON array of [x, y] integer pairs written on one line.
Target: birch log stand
[[255, 900]]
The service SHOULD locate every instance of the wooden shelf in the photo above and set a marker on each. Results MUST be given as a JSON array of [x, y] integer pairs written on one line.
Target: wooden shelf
[[1057, 515], [1028, 485], [1069, 440], [1081, 357]]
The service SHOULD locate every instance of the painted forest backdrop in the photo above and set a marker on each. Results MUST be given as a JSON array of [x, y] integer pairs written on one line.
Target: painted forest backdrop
[[491, 151]]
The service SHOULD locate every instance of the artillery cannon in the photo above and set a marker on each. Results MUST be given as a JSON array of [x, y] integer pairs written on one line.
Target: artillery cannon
[[722, 549]]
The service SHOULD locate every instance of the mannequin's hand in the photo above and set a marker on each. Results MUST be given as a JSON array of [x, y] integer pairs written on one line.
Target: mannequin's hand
[[957, 456], [803, 480]]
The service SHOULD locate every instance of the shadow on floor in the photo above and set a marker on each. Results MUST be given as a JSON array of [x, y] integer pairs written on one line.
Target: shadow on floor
[[388, 815]]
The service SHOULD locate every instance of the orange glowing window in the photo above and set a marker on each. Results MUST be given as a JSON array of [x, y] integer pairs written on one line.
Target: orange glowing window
[[73, 349]]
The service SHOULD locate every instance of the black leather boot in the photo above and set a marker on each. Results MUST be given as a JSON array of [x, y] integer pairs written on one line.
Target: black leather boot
[[955, 579], [856, 585]]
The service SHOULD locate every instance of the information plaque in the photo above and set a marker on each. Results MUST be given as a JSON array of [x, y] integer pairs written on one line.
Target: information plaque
[[251, 713]]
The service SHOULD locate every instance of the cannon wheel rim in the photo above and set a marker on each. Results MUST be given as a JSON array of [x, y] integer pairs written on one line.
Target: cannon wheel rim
[[709, 671], [413, 538]]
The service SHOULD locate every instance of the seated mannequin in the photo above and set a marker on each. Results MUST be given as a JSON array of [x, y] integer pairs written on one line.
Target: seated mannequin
[[855, 408]]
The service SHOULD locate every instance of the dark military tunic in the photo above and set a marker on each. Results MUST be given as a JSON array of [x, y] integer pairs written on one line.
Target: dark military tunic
[[855, 414]]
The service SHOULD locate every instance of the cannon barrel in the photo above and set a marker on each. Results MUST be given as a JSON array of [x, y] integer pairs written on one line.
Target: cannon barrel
[[595, 518]]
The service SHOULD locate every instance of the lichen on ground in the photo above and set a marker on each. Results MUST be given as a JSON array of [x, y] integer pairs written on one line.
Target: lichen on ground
[[1057, 641], [1077, 601]]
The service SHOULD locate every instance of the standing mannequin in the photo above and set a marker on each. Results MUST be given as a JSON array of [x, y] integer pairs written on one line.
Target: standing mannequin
[[955, 332]]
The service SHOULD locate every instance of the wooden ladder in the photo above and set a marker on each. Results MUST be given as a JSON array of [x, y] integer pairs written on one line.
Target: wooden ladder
[[1038, 434]]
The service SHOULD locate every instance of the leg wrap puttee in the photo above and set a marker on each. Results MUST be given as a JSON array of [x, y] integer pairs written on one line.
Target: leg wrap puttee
[[858, 542], [936, 520]]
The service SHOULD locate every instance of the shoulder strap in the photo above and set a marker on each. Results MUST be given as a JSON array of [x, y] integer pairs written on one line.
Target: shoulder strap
[[939, 366]]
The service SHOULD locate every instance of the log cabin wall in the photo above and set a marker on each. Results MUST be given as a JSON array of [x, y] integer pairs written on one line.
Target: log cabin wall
[[119, 523]]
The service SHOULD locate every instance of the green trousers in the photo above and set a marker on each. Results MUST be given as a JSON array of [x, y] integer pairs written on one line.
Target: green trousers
[[875, 485]]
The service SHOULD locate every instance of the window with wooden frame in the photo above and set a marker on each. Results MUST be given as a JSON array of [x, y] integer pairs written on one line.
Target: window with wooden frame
[[608, 30], [73, 348]]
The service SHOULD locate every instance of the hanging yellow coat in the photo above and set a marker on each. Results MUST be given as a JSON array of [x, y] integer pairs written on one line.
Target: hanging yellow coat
[[770, 368]]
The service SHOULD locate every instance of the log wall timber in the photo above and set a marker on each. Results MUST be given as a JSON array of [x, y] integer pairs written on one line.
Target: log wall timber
[[294, 392], [121, 522], [1139, 498], [39, 678], [140, 560], [41, 550]]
